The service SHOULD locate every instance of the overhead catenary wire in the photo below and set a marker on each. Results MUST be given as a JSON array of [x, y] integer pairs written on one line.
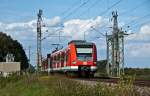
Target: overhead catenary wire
[[134, 8], [98, 31], [133, 21], [50, 34], [70, 8], [90, 7], [76, 9], [102, 13], [69, 14], [105, 11], [84, 3], [138, 24]]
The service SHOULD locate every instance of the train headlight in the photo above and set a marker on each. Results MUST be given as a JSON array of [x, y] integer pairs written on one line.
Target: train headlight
[[74, 62], [94, 62]]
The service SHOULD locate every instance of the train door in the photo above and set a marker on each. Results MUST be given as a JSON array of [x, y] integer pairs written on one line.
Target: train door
[[62, 59], [68, 58], [65, 63]]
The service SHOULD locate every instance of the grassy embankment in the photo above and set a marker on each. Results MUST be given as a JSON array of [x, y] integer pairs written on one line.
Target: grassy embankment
[[33, 85]]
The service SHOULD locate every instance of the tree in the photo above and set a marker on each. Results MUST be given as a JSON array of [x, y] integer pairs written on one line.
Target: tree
[[8, 45]]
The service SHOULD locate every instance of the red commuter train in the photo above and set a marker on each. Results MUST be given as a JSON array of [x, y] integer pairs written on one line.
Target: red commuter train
[[79, 57]]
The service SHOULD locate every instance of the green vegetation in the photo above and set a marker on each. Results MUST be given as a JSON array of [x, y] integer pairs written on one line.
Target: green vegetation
[[32, 85], [140, 73], [11, 79], [8, 45]]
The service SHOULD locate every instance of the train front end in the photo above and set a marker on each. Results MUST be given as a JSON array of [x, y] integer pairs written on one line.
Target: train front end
[[83, 57]]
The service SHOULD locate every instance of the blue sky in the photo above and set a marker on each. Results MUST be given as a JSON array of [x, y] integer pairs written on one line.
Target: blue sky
[[18, 19]]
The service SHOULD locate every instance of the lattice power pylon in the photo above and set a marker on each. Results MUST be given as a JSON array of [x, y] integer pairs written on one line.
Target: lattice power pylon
[[115, 49], [39, 35]]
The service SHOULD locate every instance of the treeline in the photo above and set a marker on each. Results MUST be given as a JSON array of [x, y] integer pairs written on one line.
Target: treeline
[[8, 45], [138, 72]]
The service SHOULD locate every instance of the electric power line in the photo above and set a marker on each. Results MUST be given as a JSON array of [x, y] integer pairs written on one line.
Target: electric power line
[[75, 10], [68, 9], [90, 7], [108, 9], [104, 12], [133, 21], [98, 31], [138, 24], [134, 8]]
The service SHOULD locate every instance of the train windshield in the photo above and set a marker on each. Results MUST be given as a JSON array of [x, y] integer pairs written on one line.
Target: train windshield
[[84, 52]]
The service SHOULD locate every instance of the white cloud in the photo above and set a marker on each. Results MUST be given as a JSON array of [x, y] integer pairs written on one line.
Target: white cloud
[[142, 35], [137, 47], [25, 32], [74, 28], [52, 22], [141, 42], [138, 50], [77, 27]]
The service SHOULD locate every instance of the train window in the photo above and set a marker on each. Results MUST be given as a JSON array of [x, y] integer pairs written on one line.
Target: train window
[[84, 56], [54, 58], [62, 57], [84, 46], [84, 50], [51, 59], [58, 57], [66, 56]]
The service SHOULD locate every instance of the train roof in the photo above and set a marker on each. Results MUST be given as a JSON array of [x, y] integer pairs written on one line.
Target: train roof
[[76, 42], [80, 42]]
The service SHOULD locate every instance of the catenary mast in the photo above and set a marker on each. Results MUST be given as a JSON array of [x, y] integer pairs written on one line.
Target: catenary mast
[[115, 49], [39, 35]]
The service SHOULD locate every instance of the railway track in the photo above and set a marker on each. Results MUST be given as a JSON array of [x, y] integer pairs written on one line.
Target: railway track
[[137, 82], [141, 83]]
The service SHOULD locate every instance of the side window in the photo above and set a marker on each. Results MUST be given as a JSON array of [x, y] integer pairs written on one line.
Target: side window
[[62, 57], [54, 58], [67, 56], [58, 57], [51, 59]]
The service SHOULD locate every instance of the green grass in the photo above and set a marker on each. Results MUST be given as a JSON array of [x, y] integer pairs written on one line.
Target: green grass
[[32, 85]]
